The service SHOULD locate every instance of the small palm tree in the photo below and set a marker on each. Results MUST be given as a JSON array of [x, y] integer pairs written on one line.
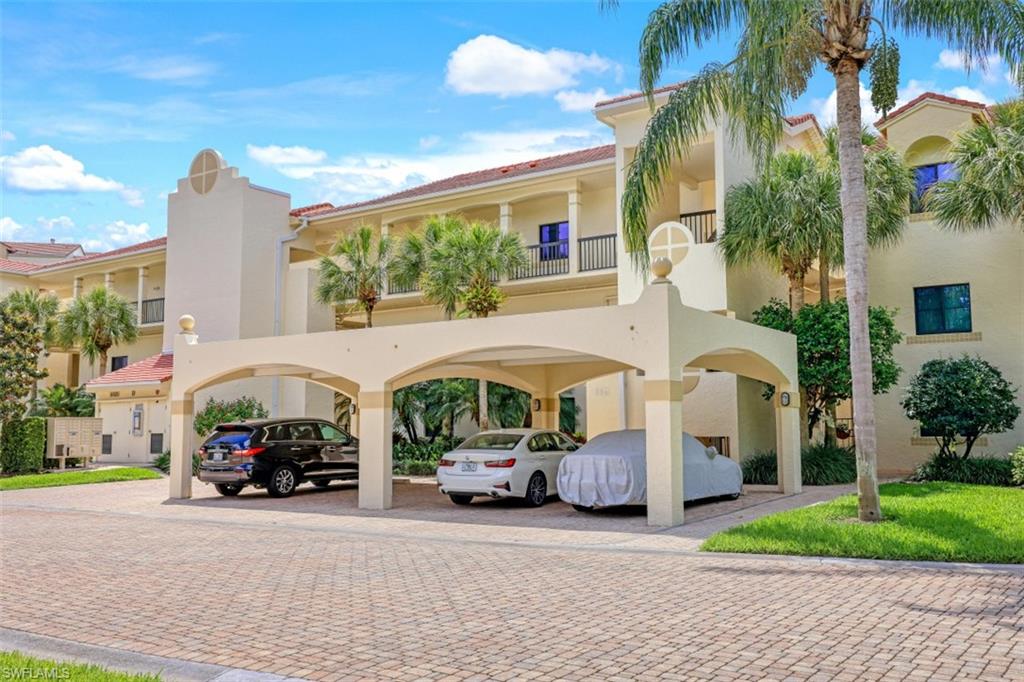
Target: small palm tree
[[989, 159], [414, 263], [779, 46], [358, 280], [449, 400], [480, 254], [96, 322], [43, 310]]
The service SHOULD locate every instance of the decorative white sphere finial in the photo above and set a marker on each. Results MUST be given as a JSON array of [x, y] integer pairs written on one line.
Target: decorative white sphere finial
[[187, 323], [661, 268]]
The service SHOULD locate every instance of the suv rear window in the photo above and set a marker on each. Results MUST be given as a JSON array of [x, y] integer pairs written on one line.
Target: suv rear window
[[229, 434]]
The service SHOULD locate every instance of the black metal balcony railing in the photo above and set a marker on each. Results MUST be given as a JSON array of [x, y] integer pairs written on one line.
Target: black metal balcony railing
[[544, 260], [396, 288], [703, 225], [597, 253], [152, 311]]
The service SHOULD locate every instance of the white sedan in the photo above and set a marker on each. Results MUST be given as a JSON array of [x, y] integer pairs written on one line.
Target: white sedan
[[504, 463]]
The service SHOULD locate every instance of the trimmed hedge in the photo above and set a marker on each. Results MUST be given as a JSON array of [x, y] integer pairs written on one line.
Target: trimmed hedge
[[22, 444], [163, 462], [420, 459], [819, 465], [976, 470]]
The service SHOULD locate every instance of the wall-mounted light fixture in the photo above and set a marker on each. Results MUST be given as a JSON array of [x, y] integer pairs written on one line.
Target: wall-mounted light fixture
[[536, 404], [784, 399]]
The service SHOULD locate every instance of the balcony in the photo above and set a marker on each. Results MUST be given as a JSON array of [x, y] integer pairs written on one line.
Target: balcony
[[544, 260], [598, 253], [151, 311], [703, 225], [396, 288]]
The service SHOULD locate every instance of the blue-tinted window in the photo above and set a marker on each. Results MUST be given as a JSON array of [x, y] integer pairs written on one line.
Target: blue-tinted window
[[554, 240], [117, 362], [925, 177], [943, 309]]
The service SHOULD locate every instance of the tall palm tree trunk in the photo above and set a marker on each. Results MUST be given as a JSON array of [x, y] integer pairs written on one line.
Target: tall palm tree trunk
[[825, 296], [796, 292], [853, 196], [482, 409], [103, 363], [369, 316]]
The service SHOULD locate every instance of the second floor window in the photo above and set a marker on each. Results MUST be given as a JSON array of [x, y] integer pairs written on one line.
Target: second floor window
[[554, 241], [925, 177], [117, 362], [943, 309]]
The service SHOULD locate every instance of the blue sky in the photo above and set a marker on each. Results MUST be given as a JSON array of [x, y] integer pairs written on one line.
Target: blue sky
[[103, 106]]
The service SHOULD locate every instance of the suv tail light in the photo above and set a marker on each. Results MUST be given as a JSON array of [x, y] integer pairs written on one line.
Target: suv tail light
[[446, 462], [249, 452], [501, 463]]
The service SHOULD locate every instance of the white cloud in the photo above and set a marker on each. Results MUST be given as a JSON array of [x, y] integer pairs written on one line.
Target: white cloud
[[7, 136], [45, 169], [165, 69], [826, 108], [50, 225], [973, 94], [490, 65], [117, 234], [358, 177], [915, 88], [132, 197], [9, 228], [274, 155], [991, 66], [430, 141], [582, 100]]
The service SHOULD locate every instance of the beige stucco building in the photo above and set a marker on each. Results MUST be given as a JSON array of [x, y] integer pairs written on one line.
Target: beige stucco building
[[243, 262]]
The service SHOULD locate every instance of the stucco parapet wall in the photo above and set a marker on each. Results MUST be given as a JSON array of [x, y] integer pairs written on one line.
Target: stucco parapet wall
[[657, 334]]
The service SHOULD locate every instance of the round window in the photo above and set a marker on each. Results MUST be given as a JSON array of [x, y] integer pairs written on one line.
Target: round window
[[203, 171], [670, 240]]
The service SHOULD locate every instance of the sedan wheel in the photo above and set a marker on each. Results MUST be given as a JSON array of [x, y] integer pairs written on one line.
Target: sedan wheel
[[537, 490], [282, 482], [461, 499]]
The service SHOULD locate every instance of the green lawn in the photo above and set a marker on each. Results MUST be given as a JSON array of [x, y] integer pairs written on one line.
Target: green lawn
[[76, 478], [923, 521], [17, 666]]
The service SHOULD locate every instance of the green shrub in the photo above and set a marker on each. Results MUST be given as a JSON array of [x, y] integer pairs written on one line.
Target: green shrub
[[976, 470], [820, 464], [22, 443], [163, 463], [420, 458], [1017, 465], [223, 411]]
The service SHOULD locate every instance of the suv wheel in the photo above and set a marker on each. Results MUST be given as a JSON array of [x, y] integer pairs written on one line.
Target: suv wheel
[[536, 490], [228, 489], [322, 484], [282, 481]]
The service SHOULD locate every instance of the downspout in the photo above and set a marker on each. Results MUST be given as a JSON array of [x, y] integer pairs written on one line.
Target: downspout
[[275, 395]]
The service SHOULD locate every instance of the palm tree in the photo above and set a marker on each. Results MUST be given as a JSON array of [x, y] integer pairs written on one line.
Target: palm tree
[[989, 159], [786, 217], [42, 309], [449, 400], [779, 46], [408, 404], [359, 280], [95, 323], [414, 263]]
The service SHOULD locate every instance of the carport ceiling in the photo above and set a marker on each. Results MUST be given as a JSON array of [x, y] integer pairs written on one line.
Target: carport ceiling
[[523, 355]]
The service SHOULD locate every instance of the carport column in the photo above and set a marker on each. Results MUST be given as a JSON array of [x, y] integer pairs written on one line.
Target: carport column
[[181, 448], [787, 439], [663, 413], [375, 431], [544, 411]]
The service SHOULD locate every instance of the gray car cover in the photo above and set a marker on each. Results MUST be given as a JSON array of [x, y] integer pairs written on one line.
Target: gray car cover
[[611, 470]]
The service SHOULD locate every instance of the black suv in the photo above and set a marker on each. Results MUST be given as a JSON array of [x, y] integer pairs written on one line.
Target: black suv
[[277, 454]]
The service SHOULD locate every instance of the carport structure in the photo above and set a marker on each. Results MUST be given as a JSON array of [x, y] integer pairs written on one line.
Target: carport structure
[[542, 353]]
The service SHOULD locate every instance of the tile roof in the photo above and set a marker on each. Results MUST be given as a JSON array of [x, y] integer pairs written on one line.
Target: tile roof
[[156, 368], [474, 178], [638, 95], [7, 265], [938, 97], [41, 248]]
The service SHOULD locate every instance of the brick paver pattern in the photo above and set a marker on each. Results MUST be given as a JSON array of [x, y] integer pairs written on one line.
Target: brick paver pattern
[[331, 604]]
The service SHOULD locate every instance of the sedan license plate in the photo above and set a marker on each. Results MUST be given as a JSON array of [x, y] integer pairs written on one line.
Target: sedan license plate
[[469, 466]]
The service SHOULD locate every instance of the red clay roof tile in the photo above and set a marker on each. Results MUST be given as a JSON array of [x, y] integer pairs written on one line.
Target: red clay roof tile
[[938, 97], [7, 265], [154, 368], [41, 248]]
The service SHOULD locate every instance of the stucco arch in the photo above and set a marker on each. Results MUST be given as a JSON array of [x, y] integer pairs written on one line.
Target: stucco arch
[[743, 362], [927, 149], [465, 371], [311, 374]]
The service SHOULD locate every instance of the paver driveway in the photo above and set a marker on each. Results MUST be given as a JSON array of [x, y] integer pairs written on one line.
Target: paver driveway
[[327, 596]]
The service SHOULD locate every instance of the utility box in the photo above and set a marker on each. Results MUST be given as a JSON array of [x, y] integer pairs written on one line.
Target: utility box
[[73, 438]]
